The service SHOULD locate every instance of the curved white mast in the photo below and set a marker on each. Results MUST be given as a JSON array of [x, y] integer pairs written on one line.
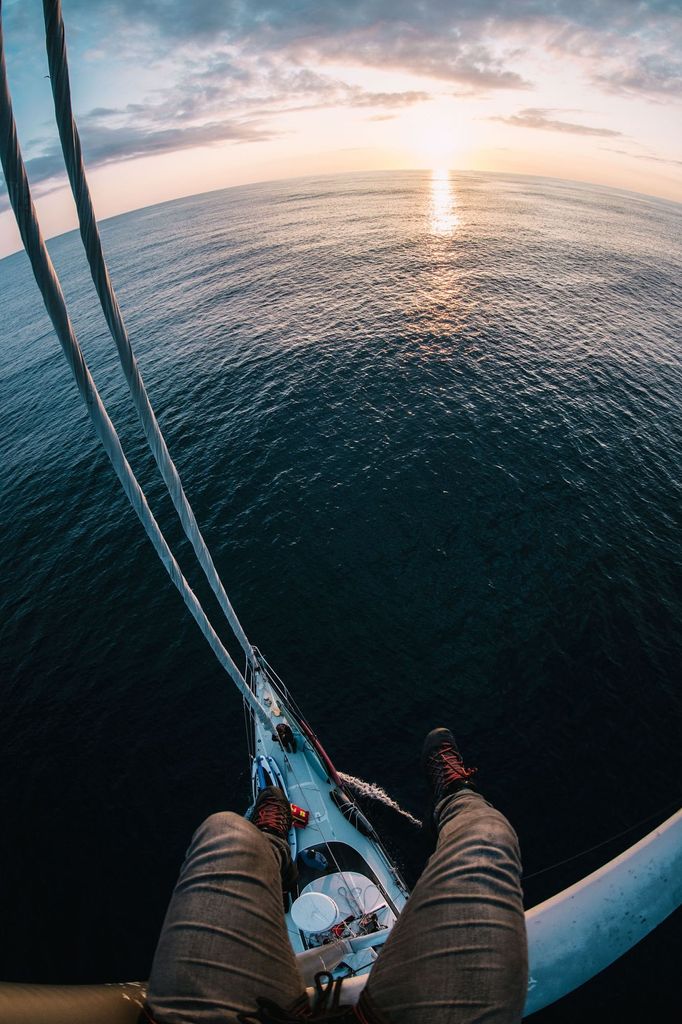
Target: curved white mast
[[582, 930]]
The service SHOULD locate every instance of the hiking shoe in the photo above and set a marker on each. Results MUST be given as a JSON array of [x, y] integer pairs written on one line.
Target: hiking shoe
[[443, 764], [272, 815]]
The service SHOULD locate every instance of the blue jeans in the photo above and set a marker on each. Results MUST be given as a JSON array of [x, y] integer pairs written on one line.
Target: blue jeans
[[457, 953]]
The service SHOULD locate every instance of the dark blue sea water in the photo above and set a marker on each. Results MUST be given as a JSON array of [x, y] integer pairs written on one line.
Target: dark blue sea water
[[432, 429]]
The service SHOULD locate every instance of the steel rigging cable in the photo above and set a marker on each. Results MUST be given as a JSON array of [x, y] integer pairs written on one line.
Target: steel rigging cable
[[53, 297], [73, 158]]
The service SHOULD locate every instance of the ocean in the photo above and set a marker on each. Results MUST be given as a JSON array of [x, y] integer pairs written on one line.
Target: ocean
[[431, 427]]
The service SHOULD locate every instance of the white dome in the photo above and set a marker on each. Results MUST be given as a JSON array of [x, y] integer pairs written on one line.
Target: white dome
[[314, 912]]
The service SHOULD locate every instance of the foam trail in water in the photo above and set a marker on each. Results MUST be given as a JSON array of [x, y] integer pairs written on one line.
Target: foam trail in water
[[375, 792]]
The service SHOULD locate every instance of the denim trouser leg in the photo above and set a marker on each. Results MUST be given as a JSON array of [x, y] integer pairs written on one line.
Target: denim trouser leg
[[224, 939], [458, 952]]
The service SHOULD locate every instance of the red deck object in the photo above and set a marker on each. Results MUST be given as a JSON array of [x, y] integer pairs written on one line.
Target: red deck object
[[299, 815]]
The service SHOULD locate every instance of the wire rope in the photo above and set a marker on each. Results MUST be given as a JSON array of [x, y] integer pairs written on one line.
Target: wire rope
[[46, 278], [73, 158], [604, 842]]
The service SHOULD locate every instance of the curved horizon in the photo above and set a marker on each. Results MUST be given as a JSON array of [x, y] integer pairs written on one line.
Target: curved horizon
[[339, 174], [172, 103]]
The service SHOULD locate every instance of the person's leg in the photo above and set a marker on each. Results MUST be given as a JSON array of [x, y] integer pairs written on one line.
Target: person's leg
[[224, 939], [458, 952]]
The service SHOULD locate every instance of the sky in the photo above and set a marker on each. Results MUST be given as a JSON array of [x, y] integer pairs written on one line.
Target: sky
[[177, 97]]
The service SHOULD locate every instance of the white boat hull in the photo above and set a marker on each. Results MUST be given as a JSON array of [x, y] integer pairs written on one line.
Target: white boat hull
[[571, 937], [360, 877]]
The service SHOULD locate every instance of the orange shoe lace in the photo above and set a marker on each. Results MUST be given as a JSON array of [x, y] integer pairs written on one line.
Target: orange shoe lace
[[272, 816], [445, 766]]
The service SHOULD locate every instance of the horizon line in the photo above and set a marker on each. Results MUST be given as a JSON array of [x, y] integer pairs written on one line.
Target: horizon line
[[338, 174]]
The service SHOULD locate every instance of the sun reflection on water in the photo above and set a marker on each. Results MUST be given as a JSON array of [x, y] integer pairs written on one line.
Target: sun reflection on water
[[444, 219]]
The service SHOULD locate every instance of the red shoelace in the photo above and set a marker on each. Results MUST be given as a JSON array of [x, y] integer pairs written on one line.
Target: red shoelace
[[272, 815], [446, 766]]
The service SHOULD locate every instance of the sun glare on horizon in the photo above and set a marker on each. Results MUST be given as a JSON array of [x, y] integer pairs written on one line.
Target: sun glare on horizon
[[443, 216], [429, 88]]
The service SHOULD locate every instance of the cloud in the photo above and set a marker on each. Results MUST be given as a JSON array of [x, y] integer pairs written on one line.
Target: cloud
[[171, 120], [103, 144], [645, 156], [41, 189], [434, 38], [626, 45], [360, 98], [654, 75], [636, 55], [224, 70], [630, 46], [536, 117]]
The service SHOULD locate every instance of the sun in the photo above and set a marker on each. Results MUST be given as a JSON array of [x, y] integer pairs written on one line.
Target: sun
[[433, 147], [436, 146]]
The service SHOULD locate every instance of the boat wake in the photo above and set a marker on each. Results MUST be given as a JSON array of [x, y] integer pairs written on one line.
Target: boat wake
[[374, 792]]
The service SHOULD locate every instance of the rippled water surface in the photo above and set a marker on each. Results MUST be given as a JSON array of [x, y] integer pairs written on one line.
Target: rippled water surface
[[432, 428]]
